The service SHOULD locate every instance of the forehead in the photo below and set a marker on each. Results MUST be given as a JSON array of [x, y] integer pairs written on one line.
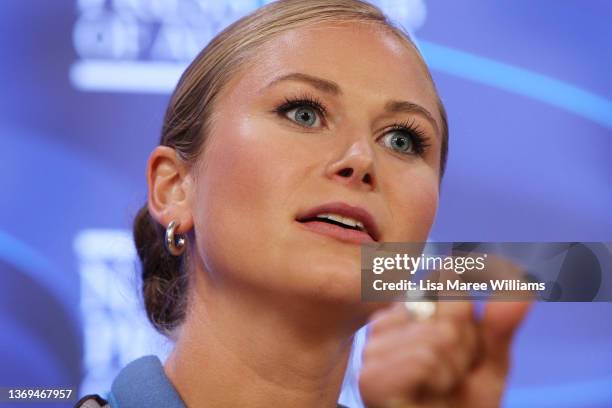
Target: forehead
[[366, 60]]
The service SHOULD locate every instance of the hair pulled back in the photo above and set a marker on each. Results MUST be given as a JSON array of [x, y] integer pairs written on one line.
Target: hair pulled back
[[188, 117]]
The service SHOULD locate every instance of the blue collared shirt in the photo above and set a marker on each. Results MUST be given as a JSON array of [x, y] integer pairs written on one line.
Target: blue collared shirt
[[143, 383]]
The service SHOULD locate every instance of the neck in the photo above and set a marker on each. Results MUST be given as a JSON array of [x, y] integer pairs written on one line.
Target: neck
[[239, 348]]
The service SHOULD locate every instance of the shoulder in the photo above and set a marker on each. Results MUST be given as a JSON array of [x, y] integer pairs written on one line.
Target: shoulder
[[143, 383]]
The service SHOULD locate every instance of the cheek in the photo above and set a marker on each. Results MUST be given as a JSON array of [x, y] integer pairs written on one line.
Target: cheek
[[241, 193], [241, 172], [413, 202]]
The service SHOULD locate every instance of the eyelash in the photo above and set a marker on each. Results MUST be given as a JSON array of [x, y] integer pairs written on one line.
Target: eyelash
[[303, 100], [415, 133], [409, 128]]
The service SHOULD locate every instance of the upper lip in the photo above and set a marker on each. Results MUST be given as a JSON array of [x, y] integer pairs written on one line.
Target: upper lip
[[345, 210]]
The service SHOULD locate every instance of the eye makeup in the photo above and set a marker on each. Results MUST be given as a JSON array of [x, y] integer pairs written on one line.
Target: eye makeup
[[412, 130], [302, 100], [409, 128]]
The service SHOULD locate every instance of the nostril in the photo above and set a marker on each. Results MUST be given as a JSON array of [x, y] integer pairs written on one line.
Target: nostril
[[347, 172], [367, 179]]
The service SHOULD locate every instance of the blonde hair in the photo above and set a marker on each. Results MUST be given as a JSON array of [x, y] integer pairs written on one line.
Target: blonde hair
[[188, 118]]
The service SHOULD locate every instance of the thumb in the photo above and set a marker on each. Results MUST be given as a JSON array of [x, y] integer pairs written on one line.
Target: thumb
[[485, 385], [499, 324]]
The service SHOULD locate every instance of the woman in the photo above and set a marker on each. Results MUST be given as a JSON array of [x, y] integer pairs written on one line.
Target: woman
[[298, 133]]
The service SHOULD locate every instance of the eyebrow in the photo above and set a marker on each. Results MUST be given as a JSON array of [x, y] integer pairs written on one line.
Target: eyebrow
[[409, 107], [321, 84], [333, 88]]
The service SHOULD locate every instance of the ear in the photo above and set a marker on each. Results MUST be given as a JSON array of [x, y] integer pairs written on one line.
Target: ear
[[170, 189]]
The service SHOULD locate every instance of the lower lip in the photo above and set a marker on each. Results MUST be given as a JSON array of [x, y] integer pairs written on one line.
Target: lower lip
[[335, 231]]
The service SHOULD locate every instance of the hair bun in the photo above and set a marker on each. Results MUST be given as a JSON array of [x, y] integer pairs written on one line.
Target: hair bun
[[164, 281]]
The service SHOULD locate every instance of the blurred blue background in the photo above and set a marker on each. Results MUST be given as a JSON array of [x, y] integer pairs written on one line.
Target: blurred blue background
[[84, 86]]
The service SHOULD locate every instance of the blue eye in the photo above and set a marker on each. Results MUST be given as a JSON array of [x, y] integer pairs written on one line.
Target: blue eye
[[306, 111], [305, 116], [406, 138], [400, 141]]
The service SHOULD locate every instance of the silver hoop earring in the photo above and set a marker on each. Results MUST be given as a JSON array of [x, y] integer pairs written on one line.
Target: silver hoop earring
[[174, 243]]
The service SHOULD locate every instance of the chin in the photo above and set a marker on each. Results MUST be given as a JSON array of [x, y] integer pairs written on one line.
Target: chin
[[331, 278]]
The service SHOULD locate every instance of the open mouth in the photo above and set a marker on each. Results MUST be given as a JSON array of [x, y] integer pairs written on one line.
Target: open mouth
[[338, 220], [341, 221]]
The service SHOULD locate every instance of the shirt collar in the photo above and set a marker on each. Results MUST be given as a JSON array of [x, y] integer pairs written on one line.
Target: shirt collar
[[143, 383]]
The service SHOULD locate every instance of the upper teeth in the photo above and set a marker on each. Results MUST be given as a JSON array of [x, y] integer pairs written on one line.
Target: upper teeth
[[344, 220]]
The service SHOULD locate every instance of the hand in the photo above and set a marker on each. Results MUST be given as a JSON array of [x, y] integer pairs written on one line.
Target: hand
[[450, 360]]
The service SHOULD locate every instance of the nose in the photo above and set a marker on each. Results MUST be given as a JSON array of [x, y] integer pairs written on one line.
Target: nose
[[355, 168]]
